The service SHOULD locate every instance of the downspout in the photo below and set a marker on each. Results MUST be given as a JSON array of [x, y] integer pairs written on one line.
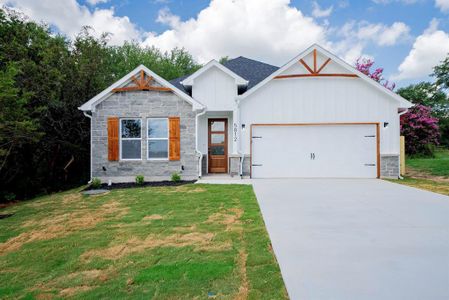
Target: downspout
[[90, 117], [399, 164], [239, 150], [198, 152]]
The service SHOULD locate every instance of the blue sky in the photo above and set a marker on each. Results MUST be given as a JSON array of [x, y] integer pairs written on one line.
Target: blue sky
[[406, 37]]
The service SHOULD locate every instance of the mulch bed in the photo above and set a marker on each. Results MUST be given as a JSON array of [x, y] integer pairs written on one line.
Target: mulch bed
[[127, 185]]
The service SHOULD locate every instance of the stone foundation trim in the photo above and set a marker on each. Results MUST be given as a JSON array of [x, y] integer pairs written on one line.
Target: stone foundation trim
[[389, 166]]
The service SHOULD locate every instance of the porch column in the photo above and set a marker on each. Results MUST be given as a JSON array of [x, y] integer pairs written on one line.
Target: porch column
[[235, 129]]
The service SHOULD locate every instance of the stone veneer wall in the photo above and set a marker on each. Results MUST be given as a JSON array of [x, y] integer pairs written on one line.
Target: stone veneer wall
[[234, 165], [143, 104], [389, 166]]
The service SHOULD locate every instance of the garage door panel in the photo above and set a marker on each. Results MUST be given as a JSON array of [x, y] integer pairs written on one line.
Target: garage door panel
[[314, 151]]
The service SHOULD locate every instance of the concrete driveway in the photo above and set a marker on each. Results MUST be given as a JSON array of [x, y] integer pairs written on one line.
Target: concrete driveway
[[357, 239]]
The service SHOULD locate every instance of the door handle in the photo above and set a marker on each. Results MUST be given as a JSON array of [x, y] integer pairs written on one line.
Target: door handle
[[313, 156]]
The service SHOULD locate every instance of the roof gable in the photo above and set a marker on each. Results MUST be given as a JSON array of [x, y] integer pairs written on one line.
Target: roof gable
[[141, 78], [213, 64], [318, 62]]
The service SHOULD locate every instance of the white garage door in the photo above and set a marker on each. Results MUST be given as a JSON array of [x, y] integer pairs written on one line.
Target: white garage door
[[314, 151]]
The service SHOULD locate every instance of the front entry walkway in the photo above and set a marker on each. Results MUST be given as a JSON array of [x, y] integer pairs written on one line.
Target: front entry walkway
[[357, 239], [223, 179]]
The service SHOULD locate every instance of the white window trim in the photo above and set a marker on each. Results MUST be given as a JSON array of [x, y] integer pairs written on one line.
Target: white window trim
[[130, 139], [157, 139]]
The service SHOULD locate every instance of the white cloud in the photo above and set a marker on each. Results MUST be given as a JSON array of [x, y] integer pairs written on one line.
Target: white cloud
[[356, 36], [69, 17], [319, 12], [270, 30], [443, 5], [95, 2], [382, 34], [428, 50]]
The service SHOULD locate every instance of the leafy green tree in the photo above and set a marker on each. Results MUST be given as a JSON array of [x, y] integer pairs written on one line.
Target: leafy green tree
[[44, 78], [224, 59], [17, 128], [427, 94], [169, 65], [441, 73]]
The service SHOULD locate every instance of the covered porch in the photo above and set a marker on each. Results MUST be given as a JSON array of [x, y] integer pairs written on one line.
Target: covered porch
[[218, 142]]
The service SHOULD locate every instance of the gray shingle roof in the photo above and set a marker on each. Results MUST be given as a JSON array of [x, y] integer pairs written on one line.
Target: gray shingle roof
[[252, 70]]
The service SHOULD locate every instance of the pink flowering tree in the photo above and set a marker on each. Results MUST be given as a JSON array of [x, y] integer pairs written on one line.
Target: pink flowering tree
[[420, 129], [364, 65]]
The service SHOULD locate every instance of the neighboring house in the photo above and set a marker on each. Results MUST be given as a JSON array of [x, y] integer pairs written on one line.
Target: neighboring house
[[316, 116]]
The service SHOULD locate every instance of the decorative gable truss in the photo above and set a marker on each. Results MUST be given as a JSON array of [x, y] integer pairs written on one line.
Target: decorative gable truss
[[315, 71], [140, 79], [142, 84]]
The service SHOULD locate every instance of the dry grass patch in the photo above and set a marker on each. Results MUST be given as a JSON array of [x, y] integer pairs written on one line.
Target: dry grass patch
[[52, 227], [72, 291], [199, 240], [229, 217], [418, 174], [152, 217], [182, 189], [244, 287]]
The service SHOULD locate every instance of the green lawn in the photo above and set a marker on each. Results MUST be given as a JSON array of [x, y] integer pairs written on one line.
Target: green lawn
[[186, 242], [438, 166]]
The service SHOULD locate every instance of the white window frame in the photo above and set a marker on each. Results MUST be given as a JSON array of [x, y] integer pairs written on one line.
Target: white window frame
[[158, 139], [131, 139]]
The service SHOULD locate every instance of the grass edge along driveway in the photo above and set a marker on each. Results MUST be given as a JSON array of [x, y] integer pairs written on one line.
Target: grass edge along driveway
[[185, 242]]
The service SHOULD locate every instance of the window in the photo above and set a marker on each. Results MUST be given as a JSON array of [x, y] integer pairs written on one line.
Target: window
[[130, 139], [157, 138]]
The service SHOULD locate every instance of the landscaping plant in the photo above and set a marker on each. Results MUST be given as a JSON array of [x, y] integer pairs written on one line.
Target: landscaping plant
[[96, 183], [175, 177], [421, 131], [140, 179]]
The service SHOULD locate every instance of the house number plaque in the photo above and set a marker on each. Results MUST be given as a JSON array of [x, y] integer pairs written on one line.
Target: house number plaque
[[235, 132]]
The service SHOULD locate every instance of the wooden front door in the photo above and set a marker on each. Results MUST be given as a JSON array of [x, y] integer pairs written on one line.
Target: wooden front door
[[218, 146]]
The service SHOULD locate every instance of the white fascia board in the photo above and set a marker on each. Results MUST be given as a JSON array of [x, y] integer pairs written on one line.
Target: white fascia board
[[403, 102], [90, 105], [213, 63]]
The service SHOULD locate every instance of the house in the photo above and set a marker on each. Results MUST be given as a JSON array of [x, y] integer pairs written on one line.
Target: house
[[316, 116]]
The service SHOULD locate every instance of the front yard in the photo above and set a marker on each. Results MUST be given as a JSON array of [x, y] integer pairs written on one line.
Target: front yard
[[437, 166], [185, 242], [430, 174]]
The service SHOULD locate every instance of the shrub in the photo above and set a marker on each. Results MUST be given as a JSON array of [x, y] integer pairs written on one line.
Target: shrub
[[96, 183], [175, 177], [140, 179], [421, 131]]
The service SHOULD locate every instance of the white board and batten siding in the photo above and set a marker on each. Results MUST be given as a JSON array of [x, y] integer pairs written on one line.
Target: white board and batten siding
[[215, 89]]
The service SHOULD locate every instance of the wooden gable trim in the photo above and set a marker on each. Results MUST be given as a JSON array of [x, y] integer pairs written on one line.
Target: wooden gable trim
[[143, 84], [315, 72]]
